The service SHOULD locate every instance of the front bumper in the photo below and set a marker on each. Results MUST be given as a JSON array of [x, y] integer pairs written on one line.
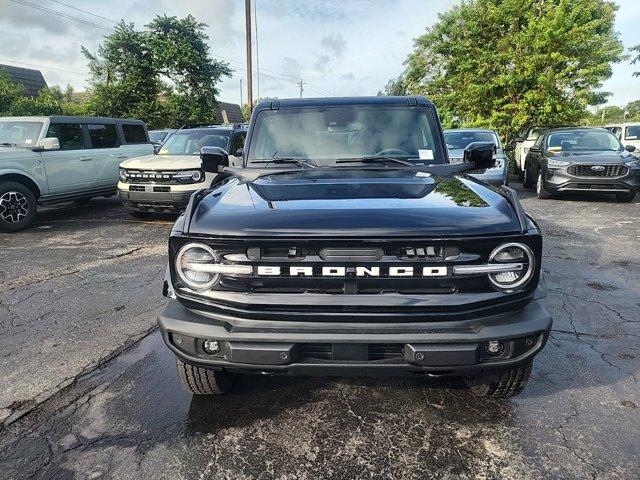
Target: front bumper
[[319, 348], [559, 180], [155, 202]]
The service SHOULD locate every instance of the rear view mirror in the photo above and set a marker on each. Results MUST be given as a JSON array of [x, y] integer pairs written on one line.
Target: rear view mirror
[[630, 148], [212, 158], [480, 155]]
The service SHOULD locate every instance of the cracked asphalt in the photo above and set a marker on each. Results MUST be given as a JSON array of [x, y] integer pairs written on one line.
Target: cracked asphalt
[[90, 391]]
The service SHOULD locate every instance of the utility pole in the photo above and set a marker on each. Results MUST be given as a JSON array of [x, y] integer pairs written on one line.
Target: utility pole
[[241, 102], [255, 21], [301, 86], [247, 9]]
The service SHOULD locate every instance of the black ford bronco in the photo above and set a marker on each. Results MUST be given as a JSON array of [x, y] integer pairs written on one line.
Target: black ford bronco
[[349, 245]]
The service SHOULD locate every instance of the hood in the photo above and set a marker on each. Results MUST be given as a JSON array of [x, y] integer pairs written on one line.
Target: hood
[[591, 157], [16, 152], [364, 203], [162, 162]]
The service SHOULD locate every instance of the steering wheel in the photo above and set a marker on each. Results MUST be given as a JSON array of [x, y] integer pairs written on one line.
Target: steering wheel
[[392, 151]]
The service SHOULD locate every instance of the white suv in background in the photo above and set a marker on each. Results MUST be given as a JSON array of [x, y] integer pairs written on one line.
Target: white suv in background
[[45, 160], [163, 183]]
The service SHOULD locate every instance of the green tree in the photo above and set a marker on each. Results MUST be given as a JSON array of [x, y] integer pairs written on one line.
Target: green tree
[[10, 93], [395, 86], [49, 101], [508, 63], [163, 74]]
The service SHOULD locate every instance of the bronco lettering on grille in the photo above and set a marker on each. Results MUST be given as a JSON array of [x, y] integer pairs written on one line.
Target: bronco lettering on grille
[[355, 271]]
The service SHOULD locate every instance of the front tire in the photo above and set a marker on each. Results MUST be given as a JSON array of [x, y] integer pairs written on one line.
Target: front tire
[[527, 181], [541, 192], [625, 197], [202, 381], [18, 206], [500, 384]]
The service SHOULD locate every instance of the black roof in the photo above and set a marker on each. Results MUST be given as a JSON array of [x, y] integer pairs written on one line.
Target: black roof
[[229, 113], [89, 120], [345, 101], [32, 80]]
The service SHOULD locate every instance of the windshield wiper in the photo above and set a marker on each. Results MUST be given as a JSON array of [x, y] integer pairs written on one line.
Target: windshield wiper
[[376, 160], [301, 162]]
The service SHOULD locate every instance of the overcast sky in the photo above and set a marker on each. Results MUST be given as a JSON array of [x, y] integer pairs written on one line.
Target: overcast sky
[[346, 47]]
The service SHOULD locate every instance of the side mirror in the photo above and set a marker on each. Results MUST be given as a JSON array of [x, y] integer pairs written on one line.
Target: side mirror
[[630, 148], [156, 148], [213, 158], [480, 155], [49, 143]]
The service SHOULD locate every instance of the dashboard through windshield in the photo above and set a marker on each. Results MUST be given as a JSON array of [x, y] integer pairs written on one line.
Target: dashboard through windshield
[[20, 134], [190, 142], [325, 136]]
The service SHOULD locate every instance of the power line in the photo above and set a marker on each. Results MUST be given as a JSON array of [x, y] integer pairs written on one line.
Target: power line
[[42, 66], [63, 15], [85, 11]]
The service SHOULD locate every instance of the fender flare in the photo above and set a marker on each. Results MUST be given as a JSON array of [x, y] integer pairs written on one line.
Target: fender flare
[[29, 180]]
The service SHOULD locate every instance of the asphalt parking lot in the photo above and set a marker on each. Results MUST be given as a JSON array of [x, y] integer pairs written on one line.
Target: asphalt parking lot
[[90, 391]]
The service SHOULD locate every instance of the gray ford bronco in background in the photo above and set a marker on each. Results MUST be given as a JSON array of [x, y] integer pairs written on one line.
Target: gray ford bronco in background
[[348, 244], [45, 160]]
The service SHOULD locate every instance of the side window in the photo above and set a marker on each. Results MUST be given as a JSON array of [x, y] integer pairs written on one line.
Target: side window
[[134, 133], [69, 135], [238, 142], [104, 136]]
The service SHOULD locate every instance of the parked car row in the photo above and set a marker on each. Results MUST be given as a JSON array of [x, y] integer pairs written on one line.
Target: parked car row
[[558, 160], [48, 160]]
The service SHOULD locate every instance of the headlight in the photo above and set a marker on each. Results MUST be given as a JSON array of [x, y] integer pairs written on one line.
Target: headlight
[[123, 175], [199, 267], [557, 163], [518, 263], [633, 163], [188, 176]]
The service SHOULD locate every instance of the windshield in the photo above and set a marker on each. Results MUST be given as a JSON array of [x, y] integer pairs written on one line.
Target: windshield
[[157, 137], [583, 140], [327, 135], [458, 140], [632, 132], [189, 142], [20, 134]]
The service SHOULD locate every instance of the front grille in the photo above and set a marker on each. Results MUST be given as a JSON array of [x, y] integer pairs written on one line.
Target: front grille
[[162, 189], [166, 177], [607, 171], [136, 188], [326, 351]]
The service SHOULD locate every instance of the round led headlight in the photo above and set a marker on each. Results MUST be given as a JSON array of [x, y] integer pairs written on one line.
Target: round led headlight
[[193, 265], [519, 264], [123, 175]]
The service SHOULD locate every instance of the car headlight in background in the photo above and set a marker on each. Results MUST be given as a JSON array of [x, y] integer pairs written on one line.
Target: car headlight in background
[[189, 176], [632, 163], [199, 267], [509, 268], [552, 162], [123, 175]]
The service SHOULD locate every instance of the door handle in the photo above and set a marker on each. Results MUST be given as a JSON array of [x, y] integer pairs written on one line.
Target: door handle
[[122, 155], [85, 159]]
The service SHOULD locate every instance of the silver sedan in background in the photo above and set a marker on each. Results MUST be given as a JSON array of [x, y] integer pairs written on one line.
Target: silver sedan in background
[[458, 139]]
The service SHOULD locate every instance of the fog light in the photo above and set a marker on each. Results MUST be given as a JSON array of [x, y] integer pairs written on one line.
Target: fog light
[[211, 346], [495, 348]]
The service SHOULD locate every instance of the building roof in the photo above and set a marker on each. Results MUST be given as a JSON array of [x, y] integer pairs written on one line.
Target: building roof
[[32, 80], [229, 113]]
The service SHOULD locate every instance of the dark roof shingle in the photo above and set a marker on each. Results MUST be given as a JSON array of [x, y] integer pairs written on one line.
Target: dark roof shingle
[[231, 111], [32, 80]]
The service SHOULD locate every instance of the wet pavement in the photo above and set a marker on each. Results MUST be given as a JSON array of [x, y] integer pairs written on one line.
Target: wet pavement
[[577, 418]]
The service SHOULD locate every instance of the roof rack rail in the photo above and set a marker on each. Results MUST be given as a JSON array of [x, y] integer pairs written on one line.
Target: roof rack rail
[[198, 125]]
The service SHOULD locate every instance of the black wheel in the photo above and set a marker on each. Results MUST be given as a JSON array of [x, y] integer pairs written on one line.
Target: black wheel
[[500, 384], [625, 197], [18, 206], [201, 381], [140, 214], [527, 181], [540, 190]]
